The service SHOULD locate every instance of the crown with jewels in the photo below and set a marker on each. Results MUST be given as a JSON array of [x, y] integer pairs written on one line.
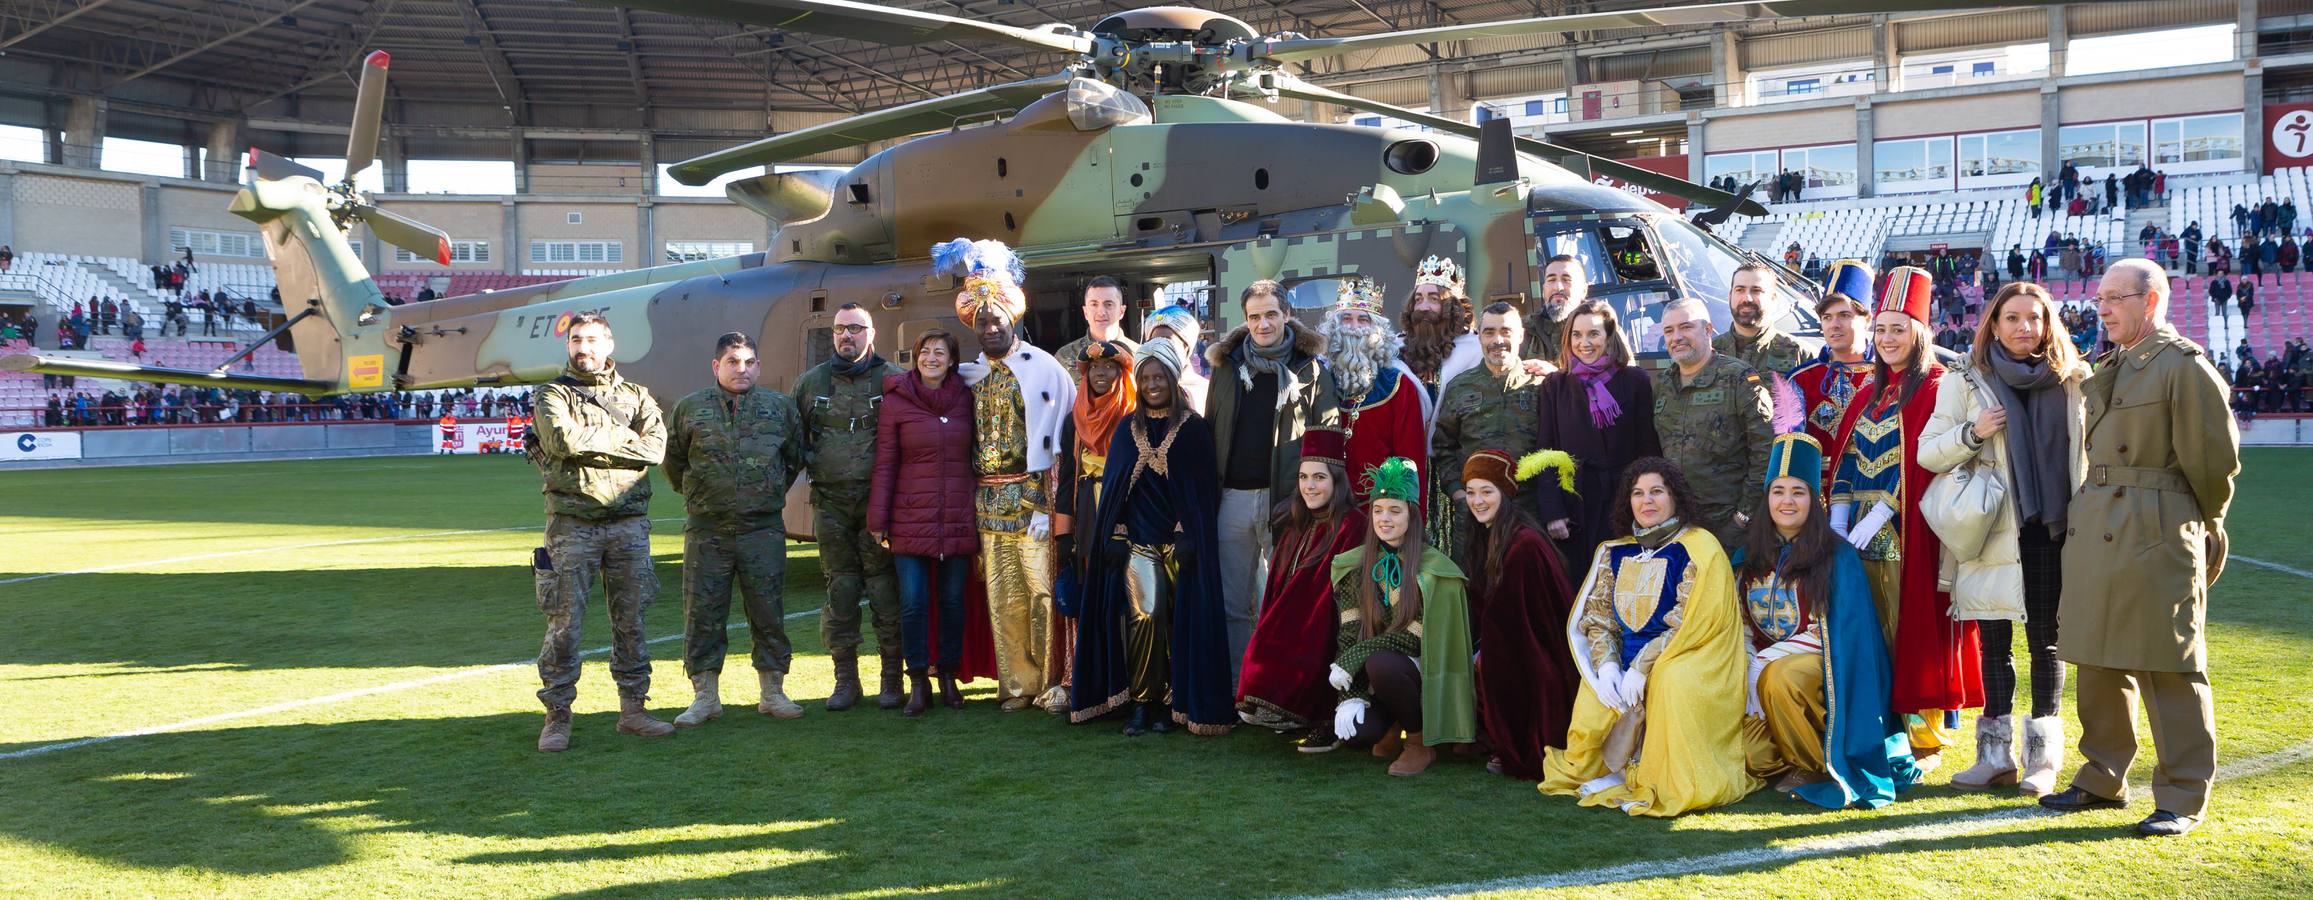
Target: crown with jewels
[[1439, 271], [1359, 294]]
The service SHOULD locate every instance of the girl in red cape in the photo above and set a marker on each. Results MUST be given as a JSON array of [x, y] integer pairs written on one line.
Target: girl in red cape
[[1519, 601], [1283, 684]]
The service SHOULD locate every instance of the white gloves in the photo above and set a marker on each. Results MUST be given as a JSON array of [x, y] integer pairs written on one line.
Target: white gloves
[[1346, 718], [1751, 705], [1633, 688], [1039, 527], [1608, 687], [1338, 677], [1842, 515], [1869, 527]]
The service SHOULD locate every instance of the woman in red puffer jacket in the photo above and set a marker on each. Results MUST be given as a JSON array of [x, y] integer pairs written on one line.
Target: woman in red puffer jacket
[[920, 505]]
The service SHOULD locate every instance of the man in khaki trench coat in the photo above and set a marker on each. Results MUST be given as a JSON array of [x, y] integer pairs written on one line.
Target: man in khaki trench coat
[[2145, 540]]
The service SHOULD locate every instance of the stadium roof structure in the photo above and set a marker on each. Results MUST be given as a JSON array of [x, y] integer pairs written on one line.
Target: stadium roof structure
[[557, 63]]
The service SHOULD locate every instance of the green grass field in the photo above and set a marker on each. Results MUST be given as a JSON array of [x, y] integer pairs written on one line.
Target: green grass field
[[332, 659]]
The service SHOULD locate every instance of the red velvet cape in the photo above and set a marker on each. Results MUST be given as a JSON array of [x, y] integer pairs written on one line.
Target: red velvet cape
[[1526, 677], [1292, 643]]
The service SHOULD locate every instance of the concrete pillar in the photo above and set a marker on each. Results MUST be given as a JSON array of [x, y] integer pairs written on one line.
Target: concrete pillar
[[521, 163], [2059, 41], [84, 132], [393, 158], [1449, 94], [1576, 71], [2245, 30], [1696, 147], [510, 230], [1733, 87], [646, 154], [156, 232], [191, 170], [2051, 116], [2253, 117], [7, 209], [1886, 73], [1865, 182], [225, 153]]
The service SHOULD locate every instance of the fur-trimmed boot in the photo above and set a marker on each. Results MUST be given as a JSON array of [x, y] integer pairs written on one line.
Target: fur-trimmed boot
[[847, 690], [706, 701], [555, 737], [2043, 755], [775, 703], [1995, 755], [636, 719]]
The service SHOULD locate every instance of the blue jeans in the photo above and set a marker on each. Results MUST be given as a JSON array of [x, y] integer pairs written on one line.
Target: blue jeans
[[915, 590]]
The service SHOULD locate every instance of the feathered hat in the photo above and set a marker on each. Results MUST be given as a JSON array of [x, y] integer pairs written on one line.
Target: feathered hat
[[1505, 473], [1848, 280], [1795, 455], [1359, 294], [992, 275], [1395, 479], [1442, 272], [1909, 290]]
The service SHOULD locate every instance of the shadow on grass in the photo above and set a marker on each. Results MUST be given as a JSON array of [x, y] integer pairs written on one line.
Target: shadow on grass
[[975, 802]]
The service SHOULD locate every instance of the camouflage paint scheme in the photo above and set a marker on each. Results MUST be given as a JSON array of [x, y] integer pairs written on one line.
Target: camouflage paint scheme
[[1222, 187]]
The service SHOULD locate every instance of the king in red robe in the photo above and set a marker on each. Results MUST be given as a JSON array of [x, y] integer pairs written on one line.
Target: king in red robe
[[1384, 411]]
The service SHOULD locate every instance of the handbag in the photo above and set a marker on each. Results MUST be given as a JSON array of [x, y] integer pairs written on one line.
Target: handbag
[[1962, 506]]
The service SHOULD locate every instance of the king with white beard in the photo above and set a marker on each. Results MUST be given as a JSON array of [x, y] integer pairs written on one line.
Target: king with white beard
[[1383, 409]]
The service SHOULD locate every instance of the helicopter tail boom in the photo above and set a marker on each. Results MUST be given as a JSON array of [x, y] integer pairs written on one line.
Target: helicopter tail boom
[[105, 368]]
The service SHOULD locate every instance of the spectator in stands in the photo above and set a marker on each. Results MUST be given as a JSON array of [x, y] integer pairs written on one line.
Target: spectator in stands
[[54, 417], [8, 331], [2168, 249], [2287, 255], [2288, 215], [2268, 216], [137, 348], [107, 316], [1791, 255], [2015, 262], [2245, 297], [2159, 186], [2111, 191], [208, 318], [2038, 268], [7, 257], [2069, 176], [2251, 257], [2220, 257], [2220, 296], [2268, 255], [2032, 197], [132, 325], [2240, 219], [2069, 258], [2190, 237], [249, 310], [2076, 207], [2244, 354]]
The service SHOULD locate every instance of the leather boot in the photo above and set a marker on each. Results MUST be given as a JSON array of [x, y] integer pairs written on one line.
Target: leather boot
[[1136, 721], [890, 697], [950, 695], [635, 719], [555, 737], [919, 694], [1995, 755], [846, 692], [1160, 718], [775, 703], [2043, 755], [706, 701], [1414, 759], [1389, 744]]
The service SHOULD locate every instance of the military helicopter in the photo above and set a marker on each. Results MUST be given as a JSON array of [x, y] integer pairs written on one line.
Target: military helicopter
[[1152, 156]]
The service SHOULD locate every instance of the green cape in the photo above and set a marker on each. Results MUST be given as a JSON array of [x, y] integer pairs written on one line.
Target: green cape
[[1449, 693]]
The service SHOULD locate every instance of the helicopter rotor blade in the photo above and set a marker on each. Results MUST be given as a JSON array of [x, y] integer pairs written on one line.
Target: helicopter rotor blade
[[861, 22], [276, 168], [409, 234], [1298, 49], [368, 111], [1576, 161], [884, 124]]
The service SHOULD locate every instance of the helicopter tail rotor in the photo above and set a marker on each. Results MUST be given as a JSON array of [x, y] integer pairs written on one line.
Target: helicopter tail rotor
[[368, 111]]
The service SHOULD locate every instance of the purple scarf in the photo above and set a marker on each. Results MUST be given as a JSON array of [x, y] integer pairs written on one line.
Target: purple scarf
[[1603, 409]]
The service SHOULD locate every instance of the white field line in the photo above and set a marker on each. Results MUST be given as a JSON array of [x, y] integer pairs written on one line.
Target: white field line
[[2277, 567], [1798, 850], [383, 539], [357, 693], [168, 473]]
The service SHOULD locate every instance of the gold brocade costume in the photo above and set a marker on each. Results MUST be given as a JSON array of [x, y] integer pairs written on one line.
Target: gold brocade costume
[[1017, 569]]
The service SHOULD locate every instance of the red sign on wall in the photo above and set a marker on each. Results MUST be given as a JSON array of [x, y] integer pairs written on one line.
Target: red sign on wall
[[1673, 166], [2288, 135]]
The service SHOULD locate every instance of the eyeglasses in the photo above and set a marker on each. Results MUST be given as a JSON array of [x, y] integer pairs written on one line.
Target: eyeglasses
[[851, 329], [2116, 298]]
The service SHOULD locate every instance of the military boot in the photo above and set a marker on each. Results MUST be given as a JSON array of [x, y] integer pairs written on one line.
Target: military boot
[[846, 692], [636, 719], [706, 701], [892, 667], [775, 703], [555, 737]]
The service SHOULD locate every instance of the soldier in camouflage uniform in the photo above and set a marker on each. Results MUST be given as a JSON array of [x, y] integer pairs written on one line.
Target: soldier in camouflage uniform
[[1490, 407], [1564, 286], [732, 452], [1715, 417], [839, 400], [597, 437], [1753, 341]]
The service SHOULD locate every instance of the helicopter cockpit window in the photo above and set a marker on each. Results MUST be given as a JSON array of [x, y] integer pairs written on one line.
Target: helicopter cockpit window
[[1318, 293], [1633, 259]]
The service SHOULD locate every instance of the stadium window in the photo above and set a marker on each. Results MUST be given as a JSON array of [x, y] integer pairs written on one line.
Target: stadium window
[[2140, 50], [23, 144], [1803, 86], [1910, 165], [1829, 170], [460, 252], [2101, 145], [577, 252], [1558, 106], [693, 251], [1486, 114], [216, 243], [2209, 143], [1746, 168], [1981, 69], [1999, 158], [1537, 108]]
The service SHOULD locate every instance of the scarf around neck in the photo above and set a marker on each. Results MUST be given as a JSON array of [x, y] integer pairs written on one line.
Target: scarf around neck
[[1603, 410], [1097, 417], [1654, 538], [2039, 440], [857, 367], [1251, 357]]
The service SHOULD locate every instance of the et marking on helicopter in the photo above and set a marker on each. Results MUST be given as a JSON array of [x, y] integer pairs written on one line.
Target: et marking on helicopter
[[1151, 156]]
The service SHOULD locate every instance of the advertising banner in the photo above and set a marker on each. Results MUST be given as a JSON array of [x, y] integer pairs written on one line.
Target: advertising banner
[[41, 445], [479, 436], [2288, 135]]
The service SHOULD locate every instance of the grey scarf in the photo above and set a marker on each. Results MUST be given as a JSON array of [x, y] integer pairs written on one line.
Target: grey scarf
[[1251, 357], [2039, 443]]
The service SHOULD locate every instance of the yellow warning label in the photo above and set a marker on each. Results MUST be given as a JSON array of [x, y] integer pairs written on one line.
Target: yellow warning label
[[365, 372]]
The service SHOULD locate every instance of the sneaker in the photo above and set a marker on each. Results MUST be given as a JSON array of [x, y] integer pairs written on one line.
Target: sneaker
[[1319, 740]]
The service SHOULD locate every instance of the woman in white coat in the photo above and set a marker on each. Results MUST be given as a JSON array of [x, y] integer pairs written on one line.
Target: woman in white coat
[[2020, 419]]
